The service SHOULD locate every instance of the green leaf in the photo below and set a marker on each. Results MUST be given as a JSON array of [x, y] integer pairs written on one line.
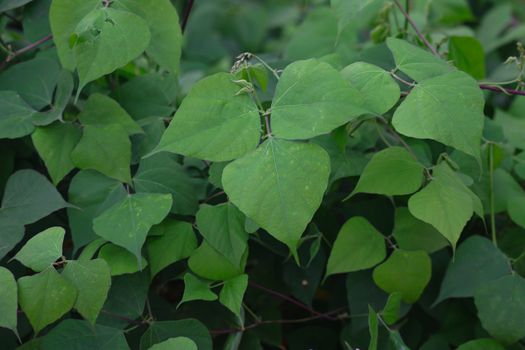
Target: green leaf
[[163, 174], [232, 293], [177, 242], [311, 99], [210, 264], [17, 115], [223, 228], [8, 300], [64, 16], [216, 122], [481, 344], [54, 144], [444, 204], [392, 310], [516, 208], [449, 109], [392, 172], [467, 54], [279, 186], [163, 22], [358, 246], [45, 297], [106, 149], [63, 92], [127, 222], [98, 34], [406, 272], [33, 80], [416, 62], [352, 11], [119, 260], [476, 263], [373, 328], [163, 330], [501, 308], [92, 279], [6, 5], [80, 335], [29, 196], [413, 234], [11, 233], [101, 110], [196, 289], [93, 193], [179, 343], [89, 251], [512, 128], [42, 250], [379, 90]]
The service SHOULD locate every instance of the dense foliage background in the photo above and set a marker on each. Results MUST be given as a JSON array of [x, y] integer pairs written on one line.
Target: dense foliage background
[[273, 174]]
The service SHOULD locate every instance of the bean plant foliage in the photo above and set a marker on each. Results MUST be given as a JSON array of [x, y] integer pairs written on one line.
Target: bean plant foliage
[[273, 174]]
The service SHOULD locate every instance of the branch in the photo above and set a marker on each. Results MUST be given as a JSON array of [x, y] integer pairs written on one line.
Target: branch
[[501, 89], [416, 28], [29, 47], [187, 13], [292, 301]]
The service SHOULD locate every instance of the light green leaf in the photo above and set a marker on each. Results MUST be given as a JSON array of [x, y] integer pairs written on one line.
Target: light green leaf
[[232, 293], [476, 263], [80, 335], [33, 80], [392, 172], [416, 62], [163, 330], [279, 186], [449, 109], [177, 242], [64, 16], [377, 87], [446, 203], [501, 308], [54, 144], [93, 193], [223, 228], [210, 264], [119, 260], [311, 99], [406, 272], [17, 115], [92, 279], [98, 34], [179, 343], [196, 289], [413, 234], [163, 174], [516, 208], [352, 11], [512, 128], [8, 300], [101, 110], [127, 222], [106, 149], [481, 344], [45, 297], [216, 121], [29, 196], [467, 54], [166, 36], [358, 246], [42, 250], [392, 310], [89, 251]]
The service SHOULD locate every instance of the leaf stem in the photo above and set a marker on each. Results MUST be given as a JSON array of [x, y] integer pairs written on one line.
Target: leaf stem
[[491, 184], [187, 13], [29, 47]]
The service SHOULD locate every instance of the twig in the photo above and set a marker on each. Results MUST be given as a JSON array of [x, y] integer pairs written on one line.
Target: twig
[[416, 28], [291, 300], [501, 89], [28, 48], [187, 13]]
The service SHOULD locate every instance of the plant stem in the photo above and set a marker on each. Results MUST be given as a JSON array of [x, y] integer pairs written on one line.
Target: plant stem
[[187, 13], [501, 89], [491, 184], [407, 7], [416, 28], [28, 48]]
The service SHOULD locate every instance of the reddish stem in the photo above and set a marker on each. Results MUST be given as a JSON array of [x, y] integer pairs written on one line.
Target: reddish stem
[[187, 13], [500, 89], [28, 48]]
